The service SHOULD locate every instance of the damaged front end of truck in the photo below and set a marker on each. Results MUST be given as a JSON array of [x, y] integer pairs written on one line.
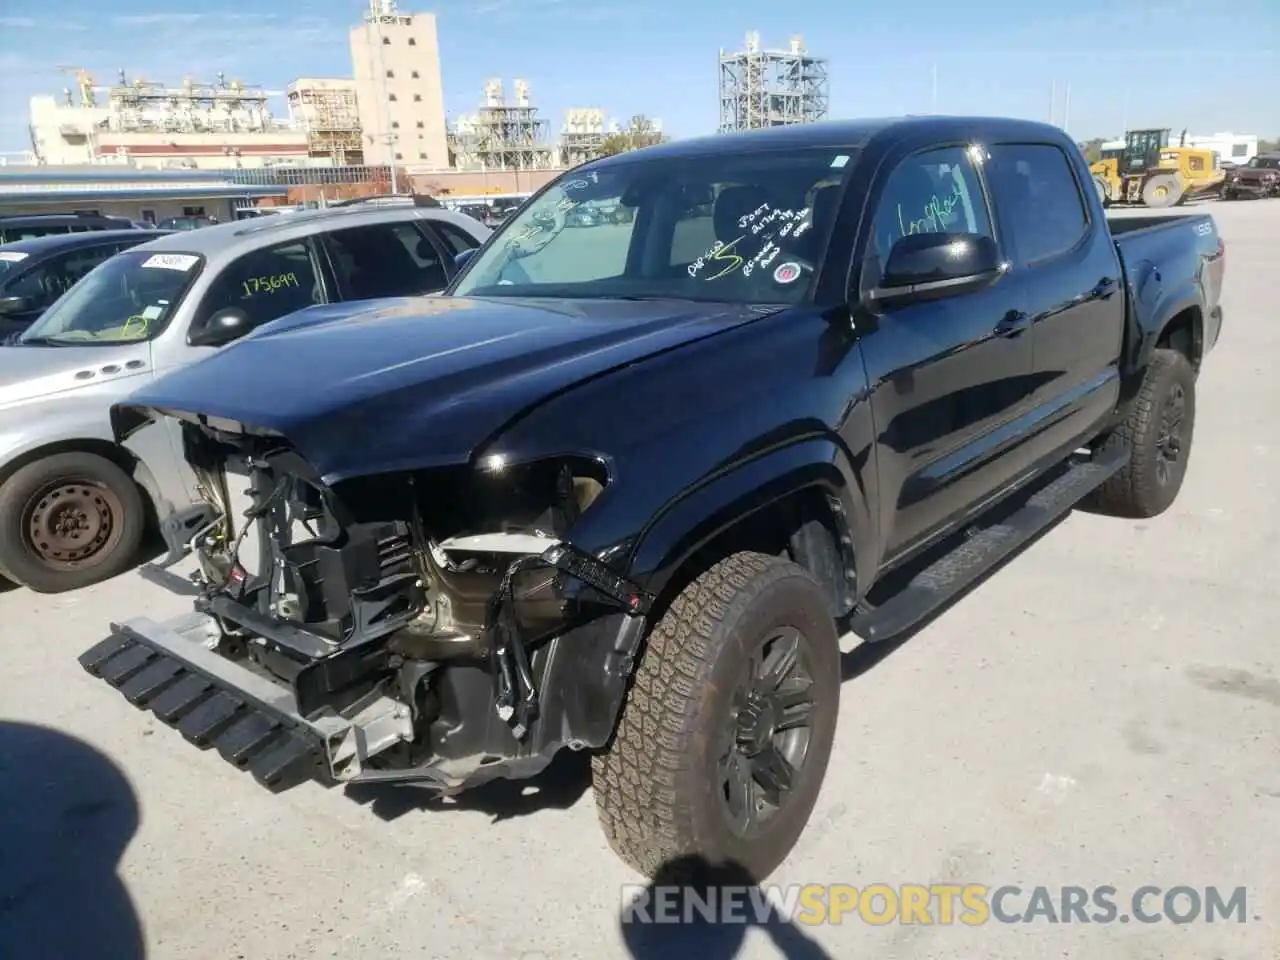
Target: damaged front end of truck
[[432, 626]]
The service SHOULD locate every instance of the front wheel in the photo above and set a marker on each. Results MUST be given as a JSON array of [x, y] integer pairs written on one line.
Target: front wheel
[[1162, 190], [1104, 191], [727, 730], [68, 521]]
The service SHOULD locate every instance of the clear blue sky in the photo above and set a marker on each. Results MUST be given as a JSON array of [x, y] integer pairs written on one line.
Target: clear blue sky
[[1178, 58]]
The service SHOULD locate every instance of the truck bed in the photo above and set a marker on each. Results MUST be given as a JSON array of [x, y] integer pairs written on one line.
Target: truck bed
[[1184, 256], [1123, 226]]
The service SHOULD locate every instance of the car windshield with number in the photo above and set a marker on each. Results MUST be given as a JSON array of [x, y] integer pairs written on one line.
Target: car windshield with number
[[125, 299], [745, 228]]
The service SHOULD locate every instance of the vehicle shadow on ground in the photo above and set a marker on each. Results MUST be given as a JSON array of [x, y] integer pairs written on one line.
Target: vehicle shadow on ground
[[558, 787], [67, 813], [694, 908]]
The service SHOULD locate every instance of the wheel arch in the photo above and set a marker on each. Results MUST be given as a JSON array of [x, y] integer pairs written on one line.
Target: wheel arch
[[799, 501], [1184, 331], [106, 449], [1177, 322]]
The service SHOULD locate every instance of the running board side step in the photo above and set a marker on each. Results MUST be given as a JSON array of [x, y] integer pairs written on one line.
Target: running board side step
[[977, 555]]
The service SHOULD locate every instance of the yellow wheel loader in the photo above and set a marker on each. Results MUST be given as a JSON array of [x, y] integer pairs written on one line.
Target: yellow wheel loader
[[1148, 170]]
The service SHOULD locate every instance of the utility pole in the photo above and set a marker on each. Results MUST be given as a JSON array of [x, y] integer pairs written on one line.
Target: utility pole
[[1066, 109], [375, 17], [1125, 118]]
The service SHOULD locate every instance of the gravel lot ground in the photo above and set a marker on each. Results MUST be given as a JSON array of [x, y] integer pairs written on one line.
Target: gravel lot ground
[[1105, 710]]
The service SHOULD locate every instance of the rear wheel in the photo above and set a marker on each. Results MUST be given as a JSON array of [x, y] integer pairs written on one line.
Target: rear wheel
[[1162, 190], [727, 730], [68, 521], [1158, 432]]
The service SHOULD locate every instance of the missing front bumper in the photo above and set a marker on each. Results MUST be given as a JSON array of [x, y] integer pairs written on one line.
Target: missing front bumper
[[172, 671]]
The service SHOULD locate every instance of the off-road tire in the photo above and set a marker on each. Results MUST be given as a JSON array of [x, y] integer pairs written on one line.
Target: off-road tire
[[18, 557], [1103, 189], [1151, 196], [656, 797], [1136, 491]]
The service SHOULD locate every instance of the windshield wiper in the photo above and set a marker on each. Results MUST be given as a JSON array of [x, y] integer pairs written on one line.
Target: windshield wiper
[[18, 340]]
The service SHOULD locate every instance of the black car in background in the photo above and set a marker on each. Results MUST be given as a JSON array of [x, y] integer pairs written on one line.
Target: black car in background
[[1257, 179], [29, 226], [187, 223], [36, 272]]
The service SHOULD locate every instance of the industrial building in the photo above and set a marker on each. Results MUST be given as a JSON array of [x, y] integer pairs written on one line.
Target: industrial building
[[502, 135], [395, 59], [382, 128], [771, 88], [142, 123], [582, 135], [326, 110], [152, 195]]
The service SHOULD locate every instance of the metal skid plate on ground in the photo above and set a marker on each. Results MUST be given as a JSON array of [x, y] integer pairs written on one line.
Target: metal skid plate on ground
[[246, 731]]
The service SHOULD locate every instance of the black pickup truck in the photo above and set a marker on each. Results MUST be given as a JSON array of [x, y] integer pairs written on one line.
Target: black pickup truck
[[621, 488]]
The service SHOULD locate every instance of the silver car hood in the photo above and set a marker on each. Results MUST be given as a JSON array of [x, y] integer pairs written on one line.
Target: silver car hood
[[30, 373]]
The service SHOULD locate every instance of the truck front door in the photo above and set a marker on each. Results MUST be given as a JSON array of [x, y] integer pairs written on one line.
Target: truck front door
[[946, 374]]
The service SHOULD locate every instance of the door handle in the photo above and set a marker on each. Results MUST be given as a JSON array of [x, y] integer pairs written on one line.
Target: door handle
[[1104, 288], [1012, 324]]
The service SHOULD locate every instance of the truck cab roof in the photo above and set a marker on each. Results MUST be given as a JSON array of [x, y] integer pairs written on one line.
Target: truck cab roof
[[846, 133]]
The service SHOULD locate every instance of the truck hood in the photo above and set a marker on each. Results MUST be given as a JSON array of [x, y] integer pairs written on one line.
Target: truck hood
[[379, 386], [35, 372]]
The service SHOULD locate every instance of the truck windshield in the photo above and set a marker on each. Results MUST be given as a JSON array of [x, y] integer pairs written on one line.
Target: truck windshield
[[725, 227], [127, 298]]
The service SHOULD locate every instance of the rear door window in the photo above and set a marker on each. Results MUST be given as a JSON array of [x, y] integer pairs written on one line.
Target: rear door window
[[455, 239], [1040, 199], [34, 231], [49, 280], [265, 284], [385, 260]]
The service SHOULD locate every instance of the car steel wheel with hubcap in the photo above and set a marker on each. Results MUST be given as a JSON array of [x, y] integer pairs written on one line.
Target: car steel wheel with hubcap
[[71, 522], [766, 737]]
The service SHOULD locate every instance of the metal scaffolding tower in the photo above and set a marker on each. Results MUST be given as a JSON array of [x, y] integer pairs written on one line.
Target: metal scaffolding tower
[[142, 106], [582, 135], [502, 136], [331, 120], [772, 88]]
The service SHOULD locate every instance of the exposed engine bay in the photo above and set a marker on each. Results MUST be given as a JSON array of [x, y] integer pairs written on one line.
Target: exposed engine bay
[[440, 620]]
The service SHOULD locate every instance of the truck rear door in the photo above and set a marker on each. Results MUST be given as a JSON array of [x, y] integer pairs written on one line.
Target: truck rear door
[[1066, 266]]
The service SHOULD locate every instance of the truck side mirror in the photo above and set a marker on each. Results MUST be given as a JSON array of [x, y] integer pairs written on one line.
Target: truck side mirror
[[12, 305], [221, 328], [930, 265], [461, 259]]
